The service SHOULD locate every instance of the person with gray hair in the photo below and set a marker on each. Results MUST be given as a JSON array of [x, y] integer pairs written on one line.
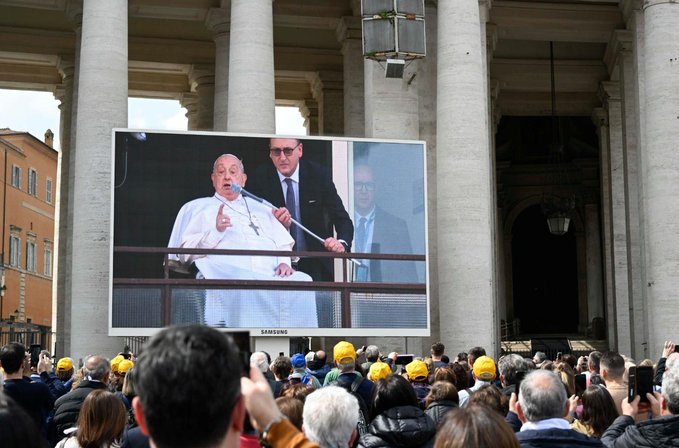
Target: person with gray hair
[[330, 416], [260, 361], [228, 220], [372, 354], [511, 366], [96, 373], [661, 431], [542, 407]]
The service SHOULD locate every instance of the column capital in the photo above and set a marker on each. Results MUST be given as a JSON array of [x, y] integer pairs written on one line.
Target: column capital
[[348, 27], [200, 74], [609, 91], [74, 12], [629, 6], [620, 44], [66, 66], [599, 117], [488, 4], [60, 95], [218, 20]]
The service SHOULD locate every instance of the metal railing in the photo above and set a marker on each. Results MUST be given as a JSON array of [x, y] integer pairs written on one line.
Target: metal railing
[[345, 286]]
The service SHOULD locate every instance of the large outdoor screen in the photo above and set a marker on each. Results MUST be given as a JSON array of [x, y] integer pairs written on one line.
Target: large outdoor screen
[[179, 215]]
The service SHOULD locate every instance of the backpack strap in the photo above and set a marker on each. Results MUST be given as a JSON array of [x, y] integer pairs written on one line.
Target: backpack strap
[[357, 383]]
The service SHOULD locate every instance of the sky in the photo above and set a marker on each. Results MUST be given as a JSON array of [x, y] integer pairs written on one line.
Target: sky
[[35, 112]]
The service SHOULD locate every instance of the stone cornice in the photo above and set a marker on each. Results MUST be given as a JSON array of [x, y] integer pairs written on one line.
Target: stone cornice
[[620, 42], [348, 27]]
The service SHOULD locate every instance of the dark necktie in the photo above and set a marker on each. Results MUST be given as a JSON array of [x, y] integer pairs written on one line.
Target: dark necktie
[[291, 205]]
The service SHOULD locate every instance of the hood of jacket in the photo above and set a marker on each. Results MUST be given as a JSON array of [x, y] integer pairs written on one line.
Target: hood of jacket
[[401, 426]]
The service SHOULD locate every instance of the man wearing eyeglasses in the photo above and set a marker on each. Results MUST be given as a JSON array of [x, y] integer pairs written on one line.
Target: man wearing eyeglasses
[[305, 191], [379, 232]]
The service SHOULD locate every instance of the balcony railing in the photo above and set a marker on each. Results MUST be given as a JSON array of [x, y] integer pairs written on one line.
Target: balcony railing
[[345, 286]]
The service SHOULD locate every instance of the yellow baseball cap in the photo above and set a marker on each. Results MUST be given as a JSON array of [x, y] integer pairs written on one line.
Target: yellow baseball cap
[[64, 365], [124, 366], [379, 370], [344, 350], [417, 370], [484, 368], [115, 362]]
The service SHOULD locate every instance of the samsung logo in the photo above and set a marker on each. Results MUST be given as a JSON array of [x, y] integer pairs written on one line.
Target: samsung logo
[[273, 332]]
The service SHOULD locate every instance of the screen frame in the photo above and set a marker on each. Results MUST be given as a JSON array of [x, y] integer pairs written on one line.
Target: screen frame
[[343, 191]]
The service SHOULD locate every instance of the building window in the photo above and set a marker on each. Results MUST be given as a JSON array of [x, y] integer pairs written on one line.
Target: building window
[[48, 190], [14, 250], [32, 182], [48, 260], [16, 176], [30, 256]]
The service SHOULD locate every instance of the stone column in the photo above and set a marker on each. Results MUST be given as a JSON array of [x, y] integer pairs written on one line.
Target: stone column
[[595, 305], [349, 35], [660, 169], [634, 18], [610, 92], [622, 43], [600, 119], [391, 105], [189, 101], [218, 21], [327, 90], [63, 93], [252, 100], [310, 114], [426, 86], [464, 218], [202, 79], [67, 179], [102, 105], [488, 33]]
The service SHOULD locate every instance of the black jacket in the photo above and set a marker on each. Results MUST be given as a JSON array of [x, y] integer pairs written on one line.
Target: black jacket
[[402, 426], [67, 407], [438, 409], [320, 206], [656, 433], [555, 438]]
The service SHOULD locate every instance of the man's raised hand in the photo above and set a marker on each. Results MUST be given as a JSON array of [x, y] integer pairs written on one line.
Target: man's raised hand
[[223, 220]]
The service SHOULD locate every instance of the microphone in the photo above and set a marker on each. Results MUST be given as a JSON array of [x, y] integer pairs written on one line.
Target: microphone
[[236, 188]]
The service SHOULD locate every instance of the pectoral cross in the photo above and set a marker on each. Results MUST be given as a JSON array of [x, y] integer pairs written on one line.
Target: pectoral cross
[[254, 227]]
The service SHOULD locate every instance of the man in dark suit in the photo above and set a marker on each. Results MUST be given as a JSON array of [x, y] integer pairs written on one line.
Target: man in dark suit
[[305, 191], [379, 232]]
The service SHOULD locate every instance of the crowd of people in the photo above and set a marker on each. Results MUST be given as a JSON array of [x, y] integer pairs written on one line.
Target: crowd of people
[[191, 387]]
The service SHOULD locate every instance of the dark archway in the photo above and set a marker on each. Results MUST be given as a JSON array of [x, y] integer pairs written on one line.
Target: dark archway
[[545, 279]]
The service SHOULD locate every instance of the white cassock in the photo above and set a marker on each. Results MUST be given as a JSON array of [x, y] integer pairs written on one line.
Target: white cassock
[[253, 227]]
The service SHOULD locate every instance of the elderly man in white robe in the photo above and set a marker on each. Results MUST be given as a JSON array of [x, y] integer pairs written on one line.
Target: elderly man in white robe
[[227, 220]]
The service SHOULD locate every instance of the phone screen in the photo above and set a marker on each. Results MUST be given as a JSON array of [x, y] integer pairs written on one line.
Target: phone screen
[[35, 354], [640, 383], [402, 360], [580, 384]]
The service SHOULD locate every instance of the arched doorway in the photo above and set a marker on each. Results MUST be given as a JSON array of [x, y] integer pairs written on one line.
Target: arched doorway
[[545, 281]]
